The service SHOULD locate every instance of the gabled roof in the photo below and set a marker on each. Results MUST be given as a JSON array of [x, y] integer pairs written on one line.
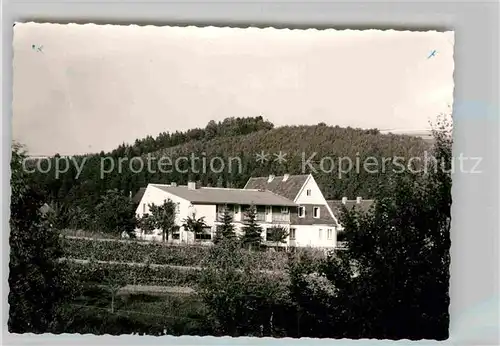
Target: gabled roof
[[336, 206], [213, 195], [288, 188], [138, 196]]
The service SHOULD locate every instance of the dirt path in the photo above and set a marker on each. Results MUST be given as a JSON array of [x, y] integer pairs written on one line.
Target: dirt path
[[156, 289], [135, 241], [132, 264]]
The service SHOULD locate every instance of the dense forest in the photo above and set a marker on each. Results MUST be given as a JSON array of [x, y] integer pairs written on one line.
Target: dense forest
[[242, 138]]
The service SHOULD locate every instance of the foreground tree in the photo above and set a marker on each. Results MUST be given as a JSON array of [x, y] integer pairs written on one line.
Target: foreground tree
[[163, 218], [252, 231], [226, 229], [241, 300], [146, 224], [277, 235], [36, 278], [115, 213], [194, 225], [392, 279], [113, 283]]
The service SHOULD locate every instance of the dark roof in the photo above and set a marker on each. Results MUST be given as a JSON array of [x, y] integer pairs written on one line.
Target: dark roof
[[325, 218], [288, 189], [336, 206], [215, 195], [138, 196]]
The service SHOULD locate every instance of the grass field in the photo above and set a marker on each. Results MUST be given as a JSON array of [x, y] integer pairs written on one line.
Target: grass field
[[173, 314]]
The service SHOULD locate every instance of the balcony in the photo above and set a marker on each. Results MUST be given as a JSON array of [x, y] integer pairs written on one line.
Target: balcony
[[278, 217], [259, 217]]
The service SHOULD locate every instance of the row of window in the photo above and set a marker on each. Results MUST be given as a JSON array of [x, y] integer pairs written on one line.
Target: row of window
[[329, 234], [284, 210], [206, 235], [236, 208], [316, 212]]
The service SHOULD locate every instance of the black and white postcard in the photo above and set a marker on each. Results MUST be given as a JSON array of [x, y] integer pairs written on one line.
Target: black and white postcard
[[244, 182]]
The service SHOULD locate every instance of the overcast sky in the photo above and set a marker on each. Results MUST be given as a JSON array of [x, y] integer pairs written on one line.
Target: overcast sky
[[86, 88]]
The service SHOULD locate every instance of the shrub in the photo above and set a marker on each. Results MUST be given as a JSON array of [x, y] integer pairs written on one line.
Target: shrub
[[159, 253]]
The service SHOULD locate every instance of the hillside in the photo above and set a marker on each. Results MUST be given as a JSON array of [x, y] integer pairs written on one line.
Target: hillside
[[299, 143]]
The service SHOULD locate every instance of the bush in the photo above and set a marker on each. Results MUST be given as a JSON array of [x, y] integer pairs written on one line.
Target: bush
[[139, 275], [240, 299], [159, 253], [131, 251]]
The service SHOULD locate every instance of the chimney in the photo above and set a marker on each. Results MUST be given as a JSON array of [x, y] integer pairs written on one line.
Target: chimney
[[358, 200], [191, 185], [271, 178], [344, 200], [285, 177], [174, 184]]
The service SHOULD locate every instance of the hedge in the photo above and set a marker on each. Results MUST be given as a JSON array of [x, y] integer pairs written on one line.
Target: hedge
[[139, 275], [131, 251], [157, 253]]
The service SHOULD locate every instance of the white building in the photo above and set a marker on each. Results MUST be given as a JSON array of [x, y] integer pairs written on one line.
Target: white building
[[294, 202]]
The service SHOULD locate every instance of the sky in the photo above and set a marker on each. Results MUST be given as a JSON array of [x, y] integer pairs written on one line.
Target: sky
[[86, 88]]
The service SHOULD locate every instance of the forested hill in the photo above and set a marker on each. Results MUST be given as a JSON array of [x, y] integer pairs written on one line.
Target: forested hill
[[226, 128], [236, 141]]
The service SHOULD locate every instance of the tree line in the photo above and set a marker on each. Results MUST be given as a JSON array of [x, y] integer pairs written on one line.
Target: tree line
[[233, 126]]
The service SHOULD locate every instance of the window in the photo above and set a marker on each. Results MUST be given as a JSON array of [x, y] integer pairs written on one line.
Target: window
[[316, 212], [268, 210], [176, 234], [292, 233], [320, 233], [302, 211], [308, 192], [236, 209], [205, 235], [329, 233], [269, 234], [284, 210]]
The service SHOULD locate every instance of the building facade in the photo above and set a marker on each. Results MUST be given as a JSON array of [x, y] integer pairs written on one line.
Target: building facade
[[293, 202]]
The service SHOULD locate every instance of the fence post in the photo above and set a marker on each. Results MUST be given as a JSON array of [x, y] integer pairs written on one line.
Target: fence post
[[298, 323]]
